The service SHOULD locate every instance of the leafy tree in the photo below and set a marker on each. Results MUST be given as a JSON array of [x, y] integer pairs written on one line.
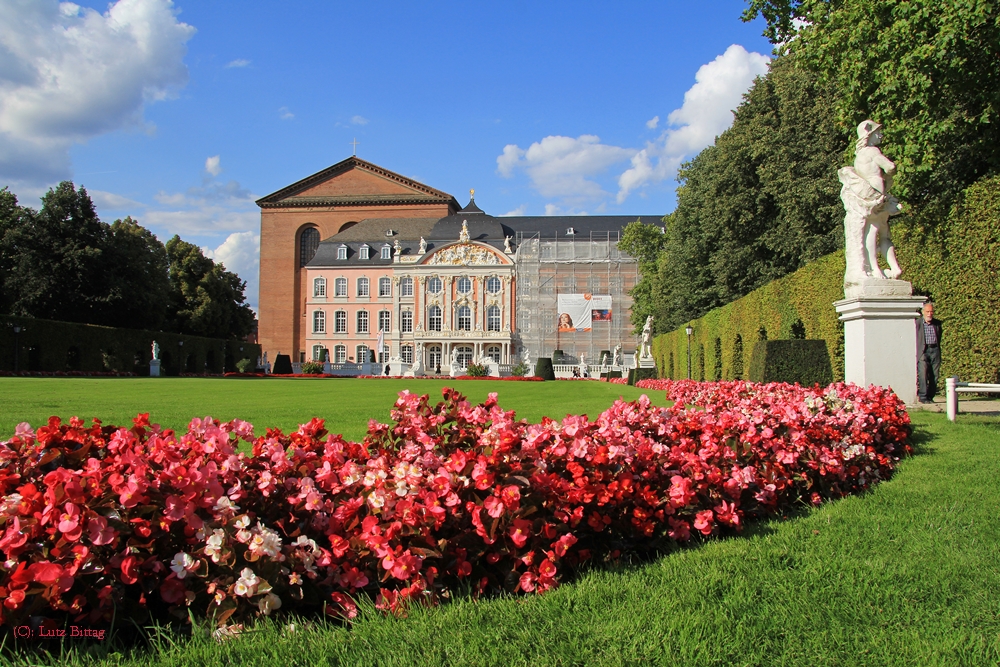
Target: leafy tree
[[645, 243], [927, 70], [205, 299], [138, 277]]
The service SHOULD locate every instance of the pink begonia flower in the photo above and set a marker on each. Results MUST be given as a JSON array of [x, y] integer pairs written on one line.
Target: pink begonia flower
[[24, 430], [70, 519], [100, 532]]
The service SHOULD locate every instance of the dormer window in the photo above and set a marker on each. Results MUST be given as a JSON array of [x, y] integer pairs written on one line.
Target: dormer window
[[570, 232], [386, 252], [342, 252], [363, 252], [389, 232]]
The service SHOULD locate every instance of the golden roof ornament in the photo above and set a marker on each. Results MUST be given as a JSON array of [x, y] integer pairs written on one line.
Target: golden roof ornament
[[472, 193]]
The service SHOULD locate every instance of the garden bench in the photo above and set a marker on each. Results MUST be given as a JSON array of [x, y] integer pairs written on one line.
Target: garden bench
[[954, 387]]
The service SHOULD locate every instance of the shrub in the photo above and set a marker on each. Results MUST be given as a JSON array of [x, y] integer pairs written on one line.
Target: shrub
[[245, 366], [544, 370], [520, 369], [803, 361], [312, 368], [102, 521], [477, 370]]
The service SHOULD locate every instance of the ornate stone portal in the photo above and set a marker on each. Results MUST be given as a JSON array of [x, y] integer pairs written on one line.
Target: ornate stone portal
[[879, 311]]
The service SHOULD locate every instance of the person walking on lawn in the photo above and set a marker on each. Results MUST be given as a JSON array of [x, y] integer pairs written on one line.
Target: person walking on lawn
[[928, 354]]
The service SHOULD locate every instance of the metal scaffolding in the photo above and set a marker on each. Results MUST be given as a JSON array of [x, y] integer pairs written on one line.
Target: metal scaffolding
[[547, 266]]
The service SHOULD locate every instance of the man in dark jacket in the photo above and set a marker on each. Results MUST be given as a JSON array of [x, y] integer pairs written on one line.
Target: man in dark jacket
[[928, 353]]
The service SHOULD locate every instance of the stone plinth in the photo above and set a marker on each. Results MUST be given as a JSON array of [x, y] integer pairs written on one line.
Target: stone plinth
[[649, 362], [154, 368], [880, 340]]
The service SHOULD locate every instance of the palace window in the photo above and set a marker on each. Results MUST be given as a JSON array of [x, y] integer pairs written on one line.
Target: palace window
[[433, 357], [464, 356], [434, 318], [340, 322], [406, 351], [406, 321], [318, 351], [464, 318], [319, 321], [383, 356], [493, 352], [319, 287], [363, 252], [362, 352], [308, 243], [464, 285], [406, 287], [339, 354], [340, 287], [492, 284], [434, 285], [362, 287], [385, 287], [384, 320], [493, 318], [386, 252], [362, 321], [342, 252]]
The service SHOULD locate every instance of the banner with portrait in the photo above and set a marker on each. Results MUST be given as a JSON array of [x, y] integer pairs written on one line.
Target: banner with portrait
[[578, 312]]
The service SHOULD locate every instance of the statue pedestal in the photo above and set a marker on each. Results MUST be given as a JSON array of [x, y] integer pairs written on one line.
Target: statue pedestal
[[649, 362], [880, 340], [154, 368]]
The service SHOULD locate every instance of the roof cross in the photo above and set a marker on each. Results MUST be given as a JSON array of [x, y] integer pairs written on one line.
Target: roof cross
[[355, 144]]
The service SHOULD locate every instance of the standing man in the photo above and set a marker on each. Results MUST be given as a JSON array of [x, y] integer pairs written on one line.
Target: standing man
[[928, 353]]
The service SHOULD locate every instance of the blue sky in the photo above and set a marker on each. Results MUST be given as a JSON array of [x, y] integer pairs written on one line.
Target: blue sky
[[181, 114]]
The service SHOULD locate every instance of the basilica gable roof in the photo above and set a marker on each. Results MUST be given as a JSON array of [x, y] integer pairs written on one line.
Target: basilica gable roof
[[355, 182]]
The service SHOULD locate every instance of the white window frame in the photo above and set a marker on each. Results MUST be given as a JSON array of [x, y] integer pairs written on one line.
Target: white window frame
[[319, 288], [339, 354], [434, 313], [385, 286], [362, 321], [342, 252], [384, 321], [364, 252], [464, 281], [359, 354], [317, 352], [494, 352], [435, 281], [493, 318], [363, 286], [406, 321], [386, 252], [491, 282], [340, 287], [319, 321], [406, 352], [340, 321], [463, 318], [406, 287]]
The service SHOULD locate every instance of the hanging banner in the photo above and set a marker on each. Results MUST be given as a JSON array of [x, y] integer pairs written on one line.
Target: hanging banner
[[578, 311]]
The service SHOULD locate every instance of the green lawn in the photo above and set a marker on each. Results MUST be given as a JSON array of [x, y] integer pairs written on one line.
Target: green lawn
[[908, 574], [345, 404]]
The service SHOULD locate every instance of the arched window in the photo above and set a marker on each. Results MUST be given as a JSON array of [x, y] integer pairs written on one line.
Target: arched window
[[342, 252], [339, 354], [383, 356], [406, 351], [362, 321], [464, 356], [308, 242], [340, 287], [319, 287], [434, 285], [385, 287], [386, 252], [464, 285], [363, 252], [318, 351], [362, 352], [384, 320], [319, 321], [493, 318], [434, 318], [340, 322], [492, 284], [406, 287], [464, 318], [433, 358], [406, 321], [493, 352], [362, 287]]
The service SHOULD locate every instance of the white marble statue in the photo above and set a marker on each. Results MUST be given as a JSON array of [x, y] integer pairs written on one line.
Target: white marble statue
[[397, 248], [584, 369], [454, 362], [156, 350], [506, 245], [617, 359], [868, 205], [423, 245], [646, 348], [463, 236]]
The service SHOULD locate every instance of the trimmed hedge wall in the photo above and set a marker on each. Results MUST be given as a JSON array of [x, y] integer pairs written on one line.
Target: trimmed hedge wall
[[636, 374], [955, 262], [48, 345], [804, 361]]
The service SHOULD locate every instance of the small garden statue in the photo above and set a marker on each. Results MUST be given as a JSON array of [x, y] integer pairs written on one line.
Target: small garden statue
[[156, 350], [617, 358], [646, 348]]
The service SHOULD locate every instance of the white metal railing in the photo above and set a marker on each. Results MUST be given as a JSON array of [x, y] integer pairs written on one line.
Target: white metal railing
[[954, 388]]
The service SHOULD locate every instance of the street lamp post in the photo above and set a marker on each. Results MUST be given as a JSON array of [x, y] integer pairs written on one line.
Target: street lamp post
[[17, 346], [689, 330]]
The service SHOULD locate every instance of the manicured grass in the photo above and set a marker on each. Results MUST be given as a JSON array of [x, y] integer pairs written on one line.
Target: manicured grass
[[908, 574], [345, 404]]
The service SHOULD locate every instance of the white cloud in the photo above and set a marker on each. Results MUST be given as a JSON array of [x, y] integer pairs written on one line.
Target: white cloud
[[212, 165], [552, 209], [706, 113], [68, 74], [519, 211], [207, 210], [564, 167], [285, 114], [653, 122], [359, 120], [109, 200], [240, 253], [239, 62]]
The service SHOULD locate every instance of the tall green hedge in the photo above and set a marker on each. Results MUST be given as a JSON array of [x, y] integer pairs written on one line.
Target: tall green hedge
[[48, 345], [804, 361], [956, 262]]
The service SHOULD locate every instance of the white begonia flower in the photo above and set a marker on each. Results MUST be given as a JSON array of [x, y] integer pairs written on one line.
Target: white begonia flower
[[269, 603], [183, 564]]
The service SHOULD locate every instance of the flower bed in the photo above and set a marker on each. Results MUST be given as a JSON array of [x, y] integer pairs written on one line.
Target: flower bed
[[140, 522], [615, 380]]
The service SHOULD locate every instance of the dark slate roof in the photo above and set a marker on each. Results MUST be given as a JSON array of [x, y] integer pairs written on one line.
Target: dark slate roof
[[423, 194]]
